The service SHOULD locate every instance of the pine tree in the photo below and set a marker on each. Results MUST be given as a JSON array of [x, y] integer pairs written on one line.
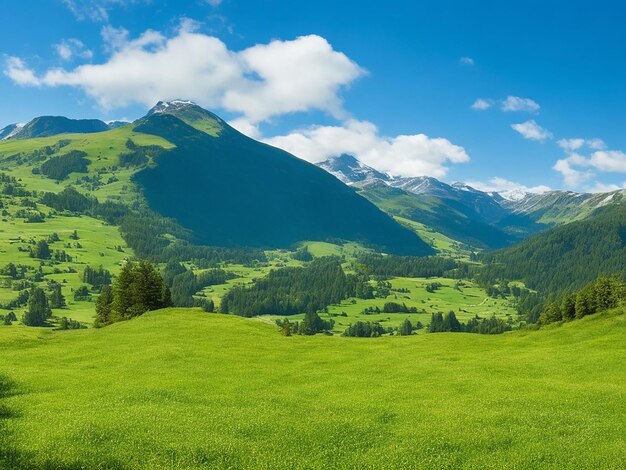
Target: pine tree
[[38, 309], [406, 328], [103, 306], [56, 299]]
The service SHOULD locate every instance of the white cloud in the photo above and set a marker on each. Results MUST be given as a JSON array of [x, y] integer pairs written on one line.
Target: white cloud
[[214, 3], [16, 70], [245, 126], [96, 10], [610, 161], [515, 103], [502, 185], [571, 145], [532, 131], [596, 144], [600, 187], [404, 155], [70, 48], [482, 104], [259, 82], [573, 178], [466, 61]]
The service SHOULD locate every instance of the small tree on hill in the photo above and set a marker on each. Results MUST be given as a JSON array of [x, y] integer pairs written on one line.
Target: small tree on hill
[[406, 328]]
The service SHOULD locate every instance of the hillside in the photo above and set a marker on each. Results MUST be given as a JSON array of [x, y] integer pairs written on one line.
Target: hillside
[[183, 389], [447, 216], [239, 192], [567, 257]]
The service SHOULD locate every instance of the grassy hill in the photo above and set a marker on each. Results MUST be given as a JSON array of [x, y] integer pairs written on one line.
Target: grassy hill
[[183, 389]]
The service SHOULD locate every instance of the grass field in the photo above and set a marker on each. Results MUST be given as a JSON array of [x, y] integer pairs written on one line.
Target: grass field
[[183, 389], [466, 301], [97, 245]]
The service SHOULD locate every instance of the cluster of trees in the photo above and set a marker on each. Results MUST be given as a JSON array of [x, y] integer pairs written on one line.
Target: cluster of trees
[[60, 167], [364, 329], [395, 307], [8, 319], [311, 324], [603, 294], [97, 276], [440, 323], [138, 155], [289, 291], [138, 288], [14, 271], [432, 287], [407, 266], [184, 283], [303, 254]]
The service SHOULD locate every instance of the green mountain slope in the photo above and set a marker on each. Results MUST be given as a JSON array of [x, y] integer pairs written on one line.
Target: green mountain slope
[[566, 257], [240, 192]]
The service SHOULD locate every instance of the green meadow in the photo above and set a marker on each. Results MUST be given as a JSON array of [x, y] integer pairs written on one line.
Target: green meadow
[[184, 389], [463, 297]]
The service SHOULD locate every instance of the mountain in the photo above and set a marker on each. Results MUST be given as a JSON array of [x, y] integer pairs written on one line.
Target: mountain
[[349, 170], [240, 192], [461, 212], [45, 126], [190, 113], [447, 216], [10, 130], [566, 257]]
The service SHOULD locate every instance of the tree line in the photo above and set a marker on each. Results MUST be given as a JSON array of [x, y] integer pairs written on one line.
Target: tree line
[[603, 294], [293, 290]]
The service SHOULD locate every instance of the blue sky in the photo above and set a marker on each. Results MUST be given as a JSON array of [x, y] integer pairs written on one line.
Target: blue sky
[[502, 95]]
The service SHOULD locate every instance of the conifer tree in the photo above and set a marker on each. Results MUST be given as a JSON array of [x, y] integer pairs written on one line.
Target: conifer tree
[[38, 309]]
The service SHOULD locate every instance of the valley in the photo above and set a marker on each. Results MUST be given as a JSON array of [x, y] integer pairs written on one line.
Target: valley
[[475, 313]]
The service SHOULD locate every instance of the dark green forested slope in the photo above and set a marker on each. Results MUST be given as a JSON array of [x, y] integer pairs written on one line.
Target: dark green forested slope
[[234, 191], [567, 257]]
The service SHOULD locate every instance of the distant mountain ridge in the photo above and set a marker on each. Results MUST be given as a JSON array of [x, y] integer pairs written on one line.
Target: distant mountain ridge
[[464, 213], [46, 126]]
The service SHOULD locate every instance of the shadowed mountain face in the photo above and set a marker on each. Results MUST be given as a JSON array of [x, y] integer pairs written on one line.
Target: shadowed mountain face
[[234, 191]]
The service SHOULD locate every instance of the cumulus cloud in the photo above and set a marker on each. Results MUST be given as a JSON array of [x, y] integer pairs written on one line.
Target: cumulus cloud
[[70, 48], [573, 177], [532, 131], [404, 155], [466, 61], [502, 185], [610, 161], [260, 82], [482, 104], [17, 70], [515, 103]]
